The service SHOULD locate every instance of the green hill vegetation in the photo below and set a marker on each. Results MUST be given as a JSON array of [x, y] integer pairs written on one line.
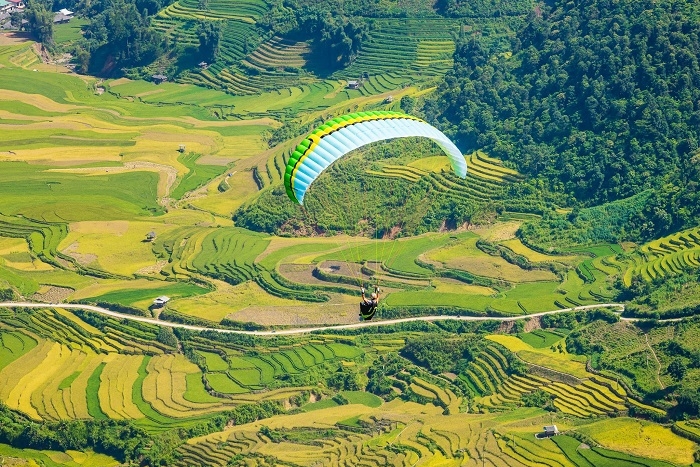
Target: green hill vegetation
[[577, 78], [579, 123]]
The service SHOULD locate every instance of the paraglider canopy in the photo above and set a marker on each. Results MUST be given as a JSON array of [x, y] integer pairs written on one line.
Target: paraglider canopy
[[341, 135]]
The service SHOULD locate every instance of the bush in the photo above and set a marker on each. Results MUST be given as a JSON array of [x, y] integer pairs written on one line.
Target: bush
[[7, 295]]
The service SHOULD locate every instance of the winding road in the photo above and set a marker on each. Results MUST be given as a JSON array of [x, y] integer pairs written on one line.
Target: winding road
[[282, 332]]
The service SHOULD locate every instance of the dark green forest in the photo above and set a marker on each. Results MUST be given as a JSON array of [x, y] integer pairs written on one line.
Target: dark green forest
[[600, 99]]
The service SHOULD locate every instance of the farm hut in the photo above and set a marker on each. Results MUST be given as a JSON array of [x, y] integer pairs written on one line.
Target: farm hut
[[60, 18], [159, 78], [353, 84], [389, 99], [150, 236], [160, 301], [16, 5], [203, 65], [550, 430]]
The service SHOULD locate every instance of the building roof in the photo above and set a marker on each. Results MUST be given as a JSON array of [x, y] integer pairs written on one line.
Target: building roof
[[65, 11], [58, 17], [162, 299], [15, 1], [352, 81], [159, 77], [550, 428]]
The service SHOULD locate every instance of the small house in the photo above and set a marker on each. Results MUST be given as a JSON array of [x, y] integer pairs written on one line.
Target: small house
[[160, 301], [159, 78], [389, 99], [353, 84], [203, 65], [60, 18], [550, 430], [16, 5], [150, 236], [5, 6]]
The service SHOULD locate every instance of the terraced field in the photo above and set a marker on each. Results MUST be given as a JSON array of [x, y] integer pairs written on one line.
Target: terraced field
[[419, 438], [241, 374], [410, 47], [660, 258], [487, 179], [86, 175], [229, 255], [247, 66]]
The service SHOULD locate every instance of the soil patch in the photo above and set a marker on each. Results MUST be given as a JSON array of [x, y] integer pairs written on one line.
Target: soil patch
[[53, 295], [84, 259], [298, 315], [153, 269], [14, 38], [533, 323]]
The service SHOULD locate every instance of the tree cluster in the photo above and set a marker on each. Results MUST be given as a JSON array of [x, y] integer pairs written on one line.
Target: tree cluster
[[40, 21], [335, 36], [483, 8], [121, 37], [117, 438], [120, 438], [601, 100], [346, 199], [437, 353]]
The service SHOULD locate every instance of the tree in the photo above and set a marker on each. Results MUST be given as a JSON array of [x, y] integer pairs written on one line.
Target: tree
[[16, 18], [7, 295], [677, 369], [407, 104], [167, 336], [209, 33], [40, 22], [82, 57], [123, 36]]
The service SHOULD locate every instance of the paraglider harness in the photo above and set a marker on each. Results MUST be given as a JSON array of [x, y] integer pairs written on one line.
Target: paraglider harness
[[369, 306]]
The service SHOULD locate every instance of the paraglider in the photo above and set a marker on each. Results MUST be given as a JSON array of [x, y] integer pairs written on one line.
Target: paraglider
[[341, 135], [368, 306]]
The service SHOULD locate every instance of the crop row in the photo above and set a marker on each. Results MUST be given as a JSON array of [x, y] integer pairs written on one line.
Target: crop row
[[252, 8], [243, 11], [228, 255], [346, 448], [657, 259], [279, 52], [243, 374], [60, 326], [485, 180], [487, 375]]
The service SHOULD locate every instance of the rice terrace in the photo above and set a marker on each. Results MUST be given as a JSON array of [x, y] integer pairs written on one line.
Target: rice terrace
[[321, 233]]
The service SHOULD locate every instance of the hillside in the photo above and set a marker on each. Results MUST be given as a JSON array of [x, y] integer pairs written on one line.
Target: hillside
[[599, 101], [579, 126]]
